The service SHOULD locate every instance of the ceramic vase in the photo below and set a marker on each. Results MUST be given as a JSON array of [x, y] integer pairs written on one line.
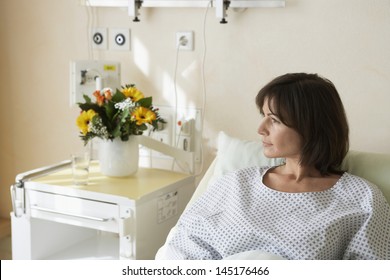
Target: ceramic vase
[[119, 158]]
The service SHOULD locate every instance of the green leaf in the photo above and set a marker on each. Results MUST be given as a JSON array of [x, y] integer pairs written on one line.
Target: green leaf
[[118, 96], [145, 102], [125, 114], [117, 131], [88, 106], [87, 98], [110, 110], [143, 127]]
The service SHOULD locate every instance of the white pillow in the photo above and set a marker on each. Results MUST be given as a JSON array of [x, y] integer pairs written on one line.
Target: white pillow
[[235, 154]]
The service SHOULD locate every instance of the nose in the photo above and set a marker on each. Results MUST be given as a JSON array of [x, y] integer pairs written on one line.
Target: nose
[[262, 130]]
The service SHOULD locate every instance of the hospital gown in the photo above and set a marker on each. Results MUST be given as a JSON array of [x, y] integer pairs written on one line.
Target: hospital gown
[[238, 213]]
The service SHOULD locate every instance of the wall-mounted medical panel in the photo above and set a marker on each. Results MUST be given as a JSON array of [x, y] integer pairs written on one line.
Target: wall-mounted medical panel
[[187, 3]]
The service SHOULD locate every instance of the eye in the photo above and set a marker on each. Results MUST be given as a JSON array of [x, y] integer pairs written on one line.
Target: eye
[[273, 120]]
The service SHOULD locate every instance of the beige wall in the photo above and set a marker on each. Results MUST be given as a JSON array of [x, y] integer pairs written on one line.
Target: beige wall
[[347, 41]]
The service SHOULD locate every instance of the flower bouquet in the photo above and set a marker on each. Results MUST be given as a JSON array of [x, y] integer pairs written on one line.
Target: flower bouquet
[[116, 118], [117, 115]]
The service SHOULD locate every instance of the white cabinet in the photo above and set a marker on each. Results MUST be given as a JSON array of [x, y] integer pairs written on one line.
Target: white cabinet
[[110, 218]]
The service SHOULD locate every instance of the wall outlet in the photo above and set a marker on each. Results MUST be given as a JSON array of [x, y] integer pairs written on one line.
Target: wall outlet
[[99, 38], [183, 129], [188, 135], [185, 143], [164, 133], [119, 39], [185, 40]]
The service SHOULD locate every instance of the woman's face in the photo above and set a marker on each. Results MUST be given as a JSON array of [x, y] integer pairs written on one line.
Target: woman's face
[[279, 140]]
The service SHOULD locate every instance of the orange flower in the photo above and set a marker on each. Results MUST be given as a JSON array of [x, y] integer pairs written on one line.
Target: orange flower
[[107, 94], [99, 97]]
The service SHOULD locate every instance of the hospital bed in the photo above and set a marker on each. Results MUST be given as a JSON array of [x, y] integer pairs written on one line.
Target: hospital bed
[[235, 153]]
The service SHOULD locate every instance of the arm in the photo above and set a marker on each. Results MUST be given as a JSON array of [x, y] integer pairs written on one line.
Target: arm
[[372, 241], [193, 236]]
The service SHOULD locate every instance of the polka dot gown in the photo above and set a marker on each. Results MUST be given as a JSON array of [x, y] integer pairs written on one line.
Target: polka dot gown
[[239, 213]]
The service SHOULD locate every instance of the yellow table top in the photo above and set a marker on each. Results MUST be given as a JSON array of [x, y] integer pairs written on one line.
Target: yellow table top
[[145, 181]]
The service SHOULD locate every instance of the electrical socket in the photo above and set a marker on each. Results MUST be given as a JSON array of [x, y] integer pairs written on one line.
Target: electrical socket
[[99, 38], [164, 133], [187, 135], [185, 40], [162, 137], [188, 131], [119, 39], [185, 127], [185, 143]]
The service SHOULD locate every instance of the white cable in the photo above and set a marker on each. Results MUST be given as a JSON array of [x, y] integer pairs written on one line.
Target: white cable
[[89, 26], [175, 87], [176, 140], [204, 92], [94, 20], [91, 23], [204, 59]]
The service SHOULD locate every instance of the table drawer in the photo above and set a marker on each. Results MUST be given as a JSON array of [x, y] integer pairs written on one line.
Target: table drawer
[[73, 210]]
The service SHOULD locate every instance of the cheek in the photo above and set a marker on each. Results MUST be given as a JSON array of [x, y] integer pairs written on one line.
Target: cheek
[[293, 142], [288, 140]]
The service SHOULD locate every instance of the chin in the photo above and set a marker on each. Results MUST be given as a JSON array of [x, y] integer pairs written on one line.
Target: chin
[[269, 155]]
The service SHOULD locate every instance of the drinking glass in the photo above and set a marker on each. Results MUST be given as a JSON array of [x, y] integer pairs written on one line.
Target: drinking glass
[[80, 168]]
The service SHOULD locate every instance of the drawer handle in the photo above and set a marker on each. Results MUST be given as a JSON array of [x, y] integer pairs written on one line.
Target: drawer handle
[[35, 207]]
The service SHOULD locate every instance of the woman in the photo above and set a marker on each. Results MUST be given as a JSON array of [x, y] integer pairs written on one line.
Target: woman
[[306, 208]]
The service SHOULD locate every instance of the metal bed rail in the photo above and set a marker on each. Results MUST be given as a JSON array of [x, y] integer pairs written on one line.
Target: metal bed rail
[[18, 197]]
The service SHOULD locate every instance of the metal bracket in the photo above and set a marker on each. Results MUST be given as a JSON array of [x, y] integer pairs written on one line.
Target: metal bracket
[[133, 10], [179, 154], [126, 233]]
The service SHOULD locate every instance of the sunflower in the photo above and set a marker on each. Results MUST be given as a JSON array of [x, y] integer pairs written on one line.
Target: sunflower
[[84, 119], [144, 115], [132, 92]]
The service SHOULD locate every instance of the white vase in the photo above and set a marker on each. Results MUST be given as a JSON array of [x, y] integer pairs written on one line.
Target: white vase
[[119, 158]]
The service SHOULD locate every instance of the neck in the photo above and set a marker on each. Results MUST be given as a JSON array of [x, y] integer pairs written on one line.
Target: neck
[[297, 172]]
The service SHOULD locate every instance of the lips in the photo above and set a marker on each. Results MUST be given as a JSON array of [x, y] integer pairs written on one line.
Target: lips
[[266, 144]]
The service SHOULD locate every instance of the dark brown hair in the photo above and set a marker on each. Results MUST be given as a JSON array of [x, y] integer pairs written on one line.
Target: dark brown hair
[[312, 106]]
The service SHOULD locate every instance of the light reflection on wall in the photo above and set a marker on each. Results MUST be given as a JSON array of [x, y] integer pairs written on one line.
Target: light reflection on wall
[[141, 59], [168, 85]]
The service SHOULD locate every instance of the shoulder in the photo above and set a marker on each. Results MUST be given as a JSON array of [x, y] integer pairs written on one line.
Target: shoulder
[[352, 181], [361, 189], [237, 179], [246, 174], [225, 189]]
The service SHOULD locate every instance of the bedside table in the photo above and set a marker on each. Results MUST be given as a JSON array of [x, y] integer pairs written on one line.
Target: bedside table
[[110, 218]]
